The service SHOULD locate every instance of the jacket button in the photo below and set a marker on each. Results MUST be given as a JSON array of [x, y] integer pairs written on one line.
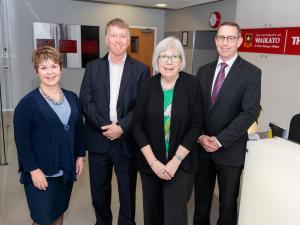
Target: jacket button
[[66, 127]]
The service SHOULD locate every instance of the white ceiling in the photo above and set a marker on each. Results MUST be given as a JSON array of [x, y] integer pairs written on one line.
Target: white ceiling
[[171, 4]]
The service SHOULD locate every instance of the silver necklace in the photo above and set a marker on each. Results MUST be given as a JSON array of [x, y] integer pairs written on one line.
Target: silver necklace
[[55, 102]]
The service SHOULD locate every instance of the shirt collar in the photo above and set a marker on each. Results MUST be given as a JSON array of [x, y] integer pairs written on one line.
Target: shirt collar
[[123, 60], [228, 62]]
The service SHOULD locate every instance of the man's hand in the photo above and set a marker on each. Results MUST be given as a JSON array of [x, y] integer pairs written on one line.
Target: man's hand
[[79, 166], [112, 131], [210, 144]]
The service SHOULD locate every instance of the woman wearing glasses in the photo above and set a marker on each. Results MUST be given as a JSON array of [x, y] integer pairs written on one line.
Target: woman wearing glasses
[[166, 123]]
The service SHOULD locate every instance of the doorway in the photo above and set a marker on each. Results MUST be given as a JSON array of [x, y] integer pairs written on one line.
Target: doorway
[[142, 45]]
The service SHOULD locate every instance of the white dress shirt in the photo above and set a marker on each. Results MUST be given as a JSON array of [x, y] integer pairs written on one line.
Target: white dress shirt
[[115, 77]]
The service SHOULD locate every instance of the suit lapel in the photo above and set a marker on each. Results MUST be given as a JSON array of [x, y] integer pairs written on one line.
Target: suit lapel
[[126, 75], [231, 76], [104, 74], [210, 79]]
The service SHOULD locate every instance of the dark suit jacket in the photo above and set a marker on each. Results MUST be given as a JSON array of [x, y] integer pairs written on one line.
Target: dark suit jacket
[[236, 108], [43, 141], [186, 121], [95, 97]]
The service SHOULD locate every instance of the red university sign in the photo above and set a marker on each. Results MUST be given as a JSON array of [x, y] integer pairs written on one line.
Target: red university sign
[[271, 40]]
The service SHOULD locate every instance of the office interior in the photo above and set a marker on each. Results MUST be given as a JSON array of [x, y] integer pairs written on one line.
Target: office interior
[[280, 74]]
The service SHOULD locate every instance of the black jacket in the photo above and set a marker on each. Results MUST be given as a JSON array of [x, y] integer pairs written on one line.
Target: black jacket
[[234, 111], [186, 120], [95, 98]]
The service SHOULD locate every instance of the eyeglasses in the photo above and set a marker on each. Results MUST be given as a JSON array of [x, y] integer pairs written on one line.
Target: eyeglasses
[[229, 39], [165, 58]]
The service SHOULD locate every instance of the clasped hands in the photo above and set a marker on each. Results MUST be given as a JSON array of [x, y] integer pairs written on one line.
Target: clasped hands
[[112, 131], [165, 172], [209, 143]]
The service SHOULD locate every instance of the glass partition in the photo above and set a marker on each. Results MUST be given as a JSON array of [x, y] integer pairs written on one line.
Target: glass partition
[[3, 115], [3, 128], [2, 144]]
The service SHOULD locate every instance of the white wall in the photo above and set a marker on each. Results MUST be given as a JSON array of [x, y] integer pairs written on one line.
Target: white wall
[[196, 18], [22, 13], [281, 73], [281, 76]]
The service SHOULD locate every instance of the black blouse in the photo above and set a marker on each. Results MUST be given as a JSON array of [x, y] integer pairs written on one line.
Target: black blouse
[[186, 120]]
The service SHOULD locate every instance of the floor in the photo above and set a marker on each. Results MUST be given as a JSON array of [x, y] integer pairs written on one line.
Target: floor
[[13, 206]]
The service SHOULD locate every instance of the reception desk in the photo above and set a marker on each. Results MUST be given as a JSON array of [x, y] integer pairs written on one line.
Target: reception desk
[[270, 193]]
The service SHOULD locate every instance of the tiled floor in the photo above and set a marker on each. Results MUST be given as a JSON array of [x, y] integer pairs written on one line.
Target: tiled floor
[[13, 206]]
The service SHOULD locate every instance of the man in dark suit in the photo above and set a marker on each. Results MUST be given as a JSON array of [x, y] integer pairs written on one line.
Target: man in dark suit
[[231, 89], [107, 96]]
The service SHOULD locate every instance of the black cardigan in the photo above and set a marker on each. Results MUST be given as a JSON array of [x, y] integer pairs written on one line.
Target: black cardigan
[[186, 120]]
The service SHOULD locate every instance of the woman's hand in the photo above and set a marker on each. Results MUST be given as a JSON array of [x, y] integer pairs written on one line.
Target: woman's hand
[[160, 170], [79, 166], [39, 179], [172, 166]]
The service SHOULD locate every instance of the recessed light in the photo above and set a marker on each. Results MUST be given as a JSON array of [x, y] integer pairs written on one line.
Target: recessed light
[[161, 5]]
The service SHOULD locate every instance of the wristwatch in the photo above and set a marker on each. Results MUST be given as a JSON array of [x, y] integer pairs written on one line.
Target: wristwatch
[[178, 157]]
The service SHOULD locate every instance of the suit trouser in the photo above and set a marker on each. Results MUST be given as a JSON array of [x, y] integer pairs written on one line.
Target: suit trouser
[[229, 184], [100, 167], [165, 202]]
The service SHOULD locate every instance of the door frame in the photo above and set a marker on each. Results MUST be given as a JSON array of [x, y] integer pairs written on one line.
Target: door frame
[[147, 27], [155, 34]]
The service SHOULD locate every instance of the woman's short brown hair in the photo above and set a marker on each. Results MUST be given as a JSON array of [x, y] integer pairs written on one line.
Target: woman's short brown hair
[[45, 53]]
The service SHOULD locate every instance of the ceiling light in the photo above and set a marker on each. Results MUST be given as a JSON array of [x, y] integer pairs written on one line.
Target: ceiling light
[[161, 5]]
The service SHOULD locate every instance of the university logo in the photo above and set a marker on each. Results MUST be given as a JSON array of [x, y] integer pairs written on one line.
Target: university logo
[[248, 40]]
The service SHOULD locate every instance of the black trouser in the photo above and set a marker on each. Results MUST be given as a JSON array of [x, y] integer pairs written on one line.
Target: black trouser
[[229, 184], [165, 202], [100, 166]]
